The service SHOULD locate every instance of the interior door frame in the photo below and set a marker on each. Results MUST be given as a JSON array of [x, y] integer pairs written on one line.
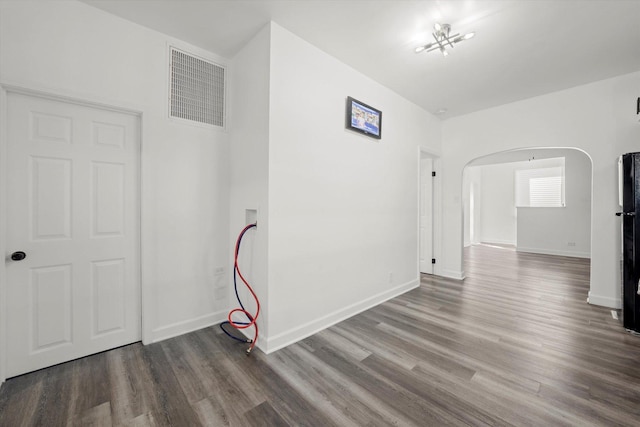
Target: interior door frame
[[436, 204], [5, 89]]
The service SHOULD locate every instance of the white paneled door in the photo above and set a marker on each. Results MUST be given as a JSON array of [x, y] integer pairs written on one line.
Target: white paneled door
[[426, 215], [72, 208]]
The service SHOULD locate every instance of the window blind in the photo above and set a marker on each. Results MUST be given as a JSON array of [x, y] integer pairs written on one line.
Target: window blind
[[540, 187]]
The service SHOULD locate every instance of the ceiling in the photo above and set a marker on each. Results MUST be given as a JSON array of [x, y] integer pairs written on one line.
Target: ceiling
[[522, 48]]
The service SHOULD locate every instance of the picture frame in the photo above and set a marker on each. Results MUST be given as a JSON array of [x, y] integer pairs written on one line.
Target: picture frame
[[363, 118]]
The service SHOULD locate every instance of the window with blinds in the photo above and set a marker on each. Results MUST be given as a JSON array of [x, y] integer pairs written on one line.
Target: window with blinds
[[540, 187], [197, 91]]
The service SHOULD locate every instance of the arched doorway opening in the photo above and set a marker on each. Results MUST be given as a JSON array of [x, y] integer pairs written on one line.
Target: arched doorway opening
[[499, 207]]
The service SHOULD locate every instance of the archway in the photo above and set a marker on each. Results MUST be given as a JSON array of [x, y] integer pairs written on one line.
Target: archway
[[492, 216]]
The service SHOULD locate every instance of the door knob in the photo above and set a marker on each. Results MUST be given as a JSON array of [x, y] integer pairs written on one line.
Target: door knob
[[18, 256]]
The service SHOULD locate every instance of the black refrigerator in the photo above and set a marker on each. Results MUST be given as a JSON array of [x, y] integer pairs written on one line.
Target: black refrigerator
[[630, 197]]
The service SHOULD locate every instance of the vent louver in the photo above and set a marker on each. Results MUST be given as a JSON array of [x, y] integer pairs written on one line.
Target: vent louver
[[197, 89]]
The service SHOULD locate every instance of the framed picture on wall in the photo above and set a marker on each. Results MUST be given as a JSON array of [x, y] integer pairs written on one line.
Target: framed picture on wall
[[363, 118]]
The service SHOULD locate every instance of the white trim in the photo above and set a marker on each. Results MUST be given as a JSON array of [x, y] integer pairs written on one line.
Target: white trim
[[303, 331], [146, 294], [436, 198], [543, 251], [437, 215], [3, 232], [604, 301], [71, 98], [498, 242], [451, 274], [419, 213], [186, 326], [434, 206]]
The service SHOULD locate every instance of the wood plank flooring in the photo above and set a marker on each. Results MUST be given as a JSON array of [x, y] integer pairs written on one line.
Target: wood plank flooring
[[514, 344]]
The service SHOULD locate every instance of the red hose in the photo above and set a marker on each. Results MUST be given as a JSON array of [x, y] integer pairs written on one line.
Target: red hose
[[252, 318]]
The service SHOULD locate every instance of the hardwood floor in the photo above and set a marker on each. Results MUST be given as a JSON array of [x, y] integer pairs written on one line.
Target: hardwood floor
[[514, 344]]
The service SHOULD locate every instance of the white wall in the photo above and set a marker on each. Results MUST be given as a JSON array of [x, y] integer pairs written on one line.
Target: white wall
[[249, 162], [598, 118], [72, 49], [538, 230], [343, 208], [472, 194], [498, 209], [337, 211], [562, 231]]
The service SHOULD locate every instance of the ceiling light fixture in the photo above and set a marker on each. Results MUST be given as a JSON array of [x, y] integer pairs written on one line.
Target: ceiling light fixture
[[443, 38]]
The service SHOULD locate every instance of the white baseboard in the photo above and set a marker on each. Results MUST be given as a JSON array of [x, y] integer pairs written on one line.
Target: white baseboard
[[303, 331], [452, 274], [186, 326], [498, 242], [604, 301], [574, 254]]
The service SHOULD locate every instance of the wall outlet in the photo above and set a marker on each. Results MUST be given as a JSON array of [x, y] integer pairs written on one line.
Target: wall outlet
[[571, 243], [218, 271]]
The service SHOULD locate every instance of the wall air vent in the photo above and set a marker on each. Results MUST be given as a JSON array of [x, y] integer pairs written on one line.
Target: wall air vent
[[197, 91]]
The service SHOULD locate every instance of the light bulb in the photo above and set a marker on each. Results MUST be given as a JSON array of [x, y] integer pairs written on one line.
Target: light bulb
[[468, 36], [420, 49]]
